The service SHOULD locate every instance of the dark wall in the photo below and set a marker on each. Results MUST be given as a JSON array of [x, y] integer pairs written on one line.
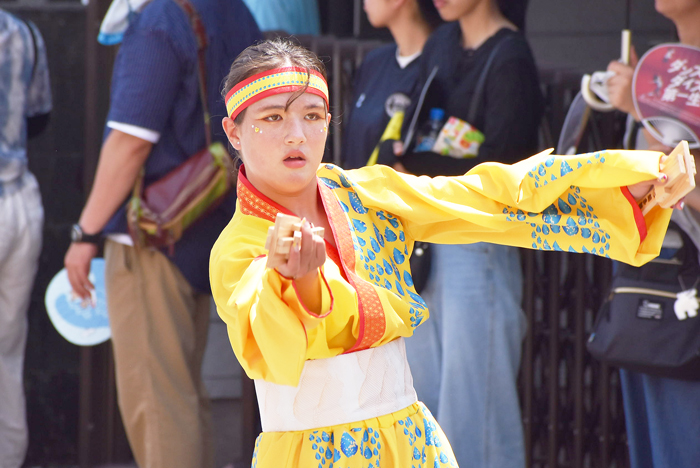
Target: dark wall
[[585, 35], [56, 159]]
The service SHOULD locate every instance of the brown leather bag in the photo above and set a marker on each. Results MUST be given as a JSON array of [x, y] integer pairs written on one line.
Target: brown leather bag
[[159, 214]]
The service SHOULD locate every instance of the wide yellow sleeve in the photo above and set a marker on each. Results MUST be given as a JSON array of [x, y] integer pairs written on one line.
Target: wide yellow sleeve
[[266, 320], [569, 203]]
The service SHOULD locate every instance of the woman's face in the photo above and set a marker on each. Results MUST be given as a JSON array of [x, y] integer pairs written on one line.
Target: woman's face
[[379, 12], [452, 10], [675, 9], [281, 148]]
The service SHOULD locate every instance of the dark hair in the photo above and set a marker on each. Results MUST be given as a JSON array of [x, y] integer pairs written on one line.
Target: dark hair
[[429, 13], [514, 11], [266, 55]]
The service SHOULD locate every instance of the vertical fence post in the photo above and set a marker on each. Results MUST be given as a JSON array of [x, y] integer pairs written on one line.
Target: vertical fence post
[[101, 437], [356, 18], [84, 408], [85, 417], [527, 369], [554, 269], [337, 97], [579, 310]]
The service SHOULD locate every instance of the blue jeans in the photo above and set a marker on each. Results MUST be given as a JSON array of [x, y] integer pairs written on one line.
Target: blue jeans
[[663, 420], [465, 358]]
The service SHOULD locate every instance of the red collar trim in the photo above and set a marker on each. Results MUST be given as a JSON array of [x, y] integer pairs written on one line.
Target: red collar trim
[[254, 203]]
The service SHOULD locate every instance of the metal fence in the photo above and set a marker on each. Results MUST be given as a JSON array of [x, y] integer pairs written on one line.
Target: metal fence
[[571, 404]]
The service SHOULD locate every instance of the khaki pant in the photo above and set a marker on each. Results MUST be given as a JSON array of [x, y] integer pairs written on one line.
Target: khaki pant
[[159, 329]]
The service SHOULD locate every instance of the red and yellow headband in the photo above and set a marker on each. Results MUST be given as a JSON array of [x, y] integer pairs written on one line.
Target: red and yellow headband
[[275, 81]]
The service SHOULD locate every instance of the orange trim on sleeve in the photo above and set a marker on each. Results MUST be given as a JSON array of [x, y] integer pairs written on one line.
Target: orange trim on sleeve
[[254, 203], [372, 318]]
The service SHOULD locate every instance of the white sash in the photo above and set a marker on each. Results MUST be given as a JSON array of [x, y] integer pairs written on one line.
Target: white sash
[[340, 390]]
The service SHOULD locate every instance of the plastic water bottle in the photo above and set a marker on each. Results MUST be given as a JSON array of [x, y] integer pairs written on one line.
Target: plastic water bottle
[[430, 130]]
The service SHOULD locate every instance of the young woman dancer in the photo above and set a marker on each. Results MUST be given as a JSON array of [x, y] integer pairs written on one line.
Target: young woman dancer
[[323, 334]]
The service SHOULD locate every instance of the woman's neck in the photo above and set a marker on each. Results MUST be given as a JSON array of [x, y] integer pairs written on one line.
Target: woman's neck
[[312, 210], [410, 32], [688, 30], [301, 203], [304, 205], [481, 23]]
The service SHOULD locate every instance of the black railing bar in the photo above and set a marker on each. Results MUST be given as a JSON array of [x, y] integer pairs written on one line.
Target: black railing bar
[[579, 263], [528, 258]]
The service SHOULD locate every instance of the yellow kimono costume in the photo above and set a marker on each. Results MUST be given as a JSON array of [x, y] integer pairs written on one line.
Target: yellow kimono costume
[[571, 203]]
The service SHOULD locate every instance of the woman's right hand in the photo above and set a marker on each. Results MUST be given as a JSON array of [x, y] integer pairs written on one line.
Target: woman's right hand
[[305, 260], [620, 85]]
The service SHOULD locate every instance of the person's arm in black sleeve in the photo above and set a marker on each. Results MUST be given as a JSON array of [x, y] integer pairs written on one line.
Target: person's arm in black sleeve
[[37, 124], [386, 154]]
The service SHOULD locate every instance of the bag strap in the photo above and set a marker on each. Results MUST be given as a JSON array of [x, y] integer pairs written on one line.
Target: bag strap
[[688, 266], [479, 90], [419, 106], [688, 254], [200, 34]]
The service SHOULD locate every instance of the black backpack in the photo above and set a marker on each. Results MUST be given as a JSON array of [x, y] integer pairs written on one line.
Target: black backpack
[[637, 327]]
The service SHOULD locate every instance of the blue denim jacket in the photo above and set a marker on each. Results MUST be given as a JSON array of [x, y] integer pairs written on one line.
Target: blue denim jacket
[[24, 92]]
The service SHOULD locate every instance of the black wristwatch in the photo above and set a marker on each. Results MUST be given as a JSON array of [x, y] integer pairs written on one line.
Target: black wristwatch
[[77, 235]]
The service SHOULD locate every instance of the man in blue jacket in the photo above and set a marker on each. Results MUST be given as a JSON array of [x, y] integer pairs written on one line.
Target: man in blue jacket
[[159, 303]]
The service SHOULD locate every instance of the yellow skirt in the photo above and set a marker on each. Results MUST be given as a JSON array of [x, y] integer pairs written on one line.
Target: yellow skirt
[[407, 438]]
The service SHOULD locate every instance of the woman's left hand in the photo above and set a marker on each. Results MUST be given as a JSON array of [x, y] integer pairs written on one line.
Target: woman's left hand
[[640, 189]]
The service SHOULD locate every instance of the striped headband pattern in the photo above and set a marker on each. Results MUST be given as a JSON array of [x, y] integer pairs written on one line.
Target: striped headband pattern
[[275, 81]]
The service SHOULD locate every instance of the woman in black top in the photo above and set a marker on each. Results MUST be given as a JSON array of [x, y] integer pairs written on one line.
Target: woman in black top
[[388, 76], [466, 365]]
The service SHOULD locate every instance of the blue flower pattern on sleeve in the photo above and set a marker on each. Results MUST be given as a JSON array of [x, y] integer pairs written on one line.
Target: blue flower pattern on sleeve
[[570, 215], [379, 238]]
